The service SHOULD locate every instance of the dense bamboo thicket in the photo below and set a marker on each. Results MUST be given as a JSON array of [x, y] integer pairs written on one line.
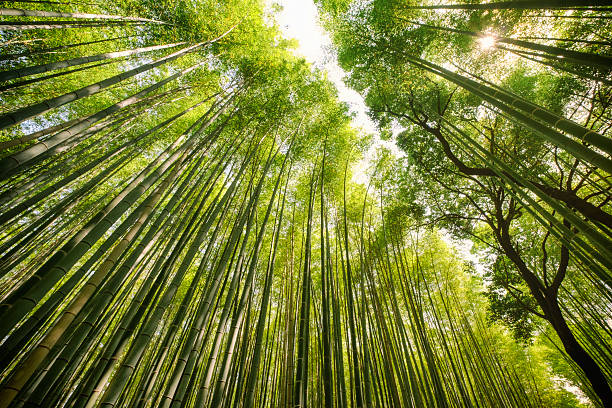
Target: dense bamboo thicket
[[181, 225]]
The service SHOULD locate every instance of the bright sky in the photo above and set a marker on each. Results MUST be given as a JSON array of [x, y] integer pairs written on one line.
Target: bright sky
[[299, 19]]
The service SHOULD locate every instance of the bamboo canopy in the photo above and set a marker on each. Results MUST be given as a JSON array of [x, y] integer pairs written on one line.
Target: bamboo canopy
[[190, 215]]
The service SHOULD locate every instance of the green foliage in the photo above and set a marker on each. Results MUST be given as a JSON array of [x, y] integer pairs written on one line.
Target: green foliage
[[191, 234], [471, 159]]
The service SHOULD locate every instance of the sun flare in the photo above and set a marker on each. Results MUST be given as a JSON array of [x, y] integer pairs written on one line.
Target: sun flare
[[487, 42]]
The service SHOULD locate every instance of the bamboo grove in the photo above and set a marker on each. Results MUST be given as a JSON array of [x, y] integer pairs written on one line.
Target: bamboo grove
[[181, 225]]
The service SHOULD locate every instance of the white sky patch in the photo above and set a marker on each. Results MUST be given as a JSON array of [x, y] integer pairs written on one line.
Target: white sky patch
[[464, 249], [299, 19]]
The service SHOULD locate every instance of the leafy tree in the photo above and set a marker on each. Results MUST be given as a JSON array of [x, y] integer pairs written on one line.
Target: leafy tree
[[478, 155]]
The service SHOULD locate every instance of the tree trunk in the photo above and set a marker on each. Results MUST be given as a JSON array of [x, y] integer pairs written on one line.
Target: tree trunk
[[576, 352]]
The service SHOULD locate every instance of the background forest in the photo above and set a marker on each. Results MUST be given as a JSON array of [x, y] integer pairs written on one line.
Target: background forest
[[181, 222]]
